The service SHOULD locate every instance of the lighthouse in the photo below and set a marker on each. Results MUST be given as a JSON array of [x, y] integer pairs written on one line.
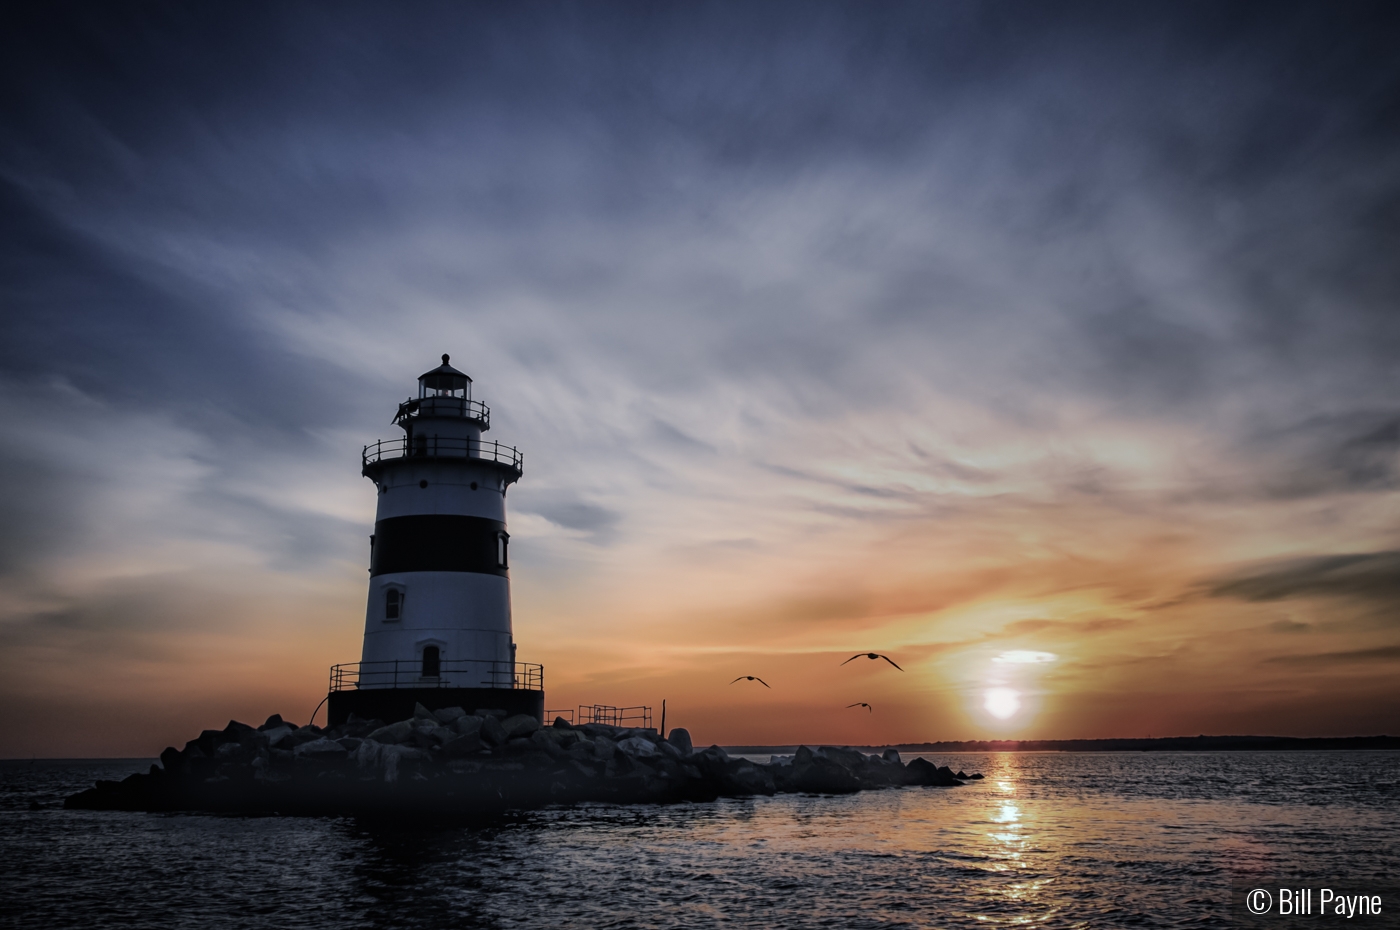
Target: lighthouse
[[437, 619]]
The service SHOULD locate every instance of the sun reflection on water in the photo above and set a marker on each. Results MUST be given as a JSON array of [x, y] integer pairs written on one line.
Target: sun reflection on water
[[1009, 813]]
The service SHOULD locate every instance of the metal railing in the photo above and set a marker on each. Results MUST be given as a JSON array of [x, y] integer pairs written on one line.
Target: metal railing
[[458, 673], [443, 406], [639, 716], [444, 447]]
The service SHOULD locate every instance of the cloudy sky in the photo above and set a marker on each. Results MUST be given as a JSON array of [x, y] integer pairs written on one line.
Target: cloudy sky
[[1053, 350]]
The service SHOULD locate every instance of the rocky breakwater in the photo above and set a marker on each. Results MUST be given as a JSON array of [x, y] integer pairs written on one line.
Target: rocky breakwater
[[450, 762]]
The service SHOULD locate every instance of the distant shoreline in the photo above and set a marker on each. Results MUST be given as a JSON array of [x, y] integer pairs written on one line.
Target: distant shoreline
[[1161, 744]]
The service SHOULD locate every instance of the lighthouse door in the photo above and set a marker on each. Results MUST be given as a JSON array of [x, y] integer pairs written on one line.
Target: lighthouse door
[[432, 662]]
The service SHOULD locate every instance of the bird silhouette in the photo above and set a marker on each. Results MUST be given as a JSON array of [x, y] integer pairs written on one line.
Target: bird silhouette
[[753, 678], [861, 704], [873, 655]]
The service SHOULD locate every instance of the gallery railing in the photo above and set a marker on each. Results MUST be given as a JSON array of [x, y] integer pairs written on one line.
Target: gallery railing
[[434, 447], [440, 406], [459, 673]]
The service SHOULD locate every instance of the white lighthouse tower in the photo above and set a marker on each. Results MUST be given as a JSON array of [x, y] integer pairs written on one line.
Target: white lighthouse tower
[[438, 623]]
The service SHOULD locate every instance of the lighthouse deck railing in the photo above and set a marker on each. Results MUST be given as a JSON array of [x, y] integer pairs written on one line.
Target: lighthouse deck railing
[[439, 447], [459, 673], [444, 406]]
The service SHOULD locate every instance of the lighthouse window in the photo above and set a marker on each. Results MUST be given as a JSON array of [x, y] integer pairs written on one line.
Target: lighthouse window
[[432, 662], [501, 541], [393, 604]]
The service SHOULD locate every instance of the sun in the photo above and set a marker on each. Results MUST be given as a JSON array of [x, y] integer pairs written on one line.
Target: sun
[[1001, 703]]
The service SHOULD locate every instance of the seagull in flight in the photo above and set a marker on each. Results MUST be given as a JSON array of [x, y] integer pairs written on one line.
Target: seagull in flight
[[873, 655], [868, 708], [753, 678]]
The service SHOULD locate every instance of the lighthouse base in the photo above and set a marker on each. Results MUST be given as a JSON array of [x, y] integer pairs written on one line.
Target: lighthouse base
[[397, 703]]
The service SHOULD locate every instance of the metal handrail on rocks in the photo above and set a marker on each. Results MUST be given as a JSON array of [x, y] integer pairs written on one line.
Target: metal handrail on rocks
[[458, 673], [638, 716]]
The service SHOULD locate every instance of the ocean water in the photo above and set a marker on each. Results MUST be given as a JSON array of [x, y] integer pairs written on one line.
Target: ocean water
[[1046, 840]]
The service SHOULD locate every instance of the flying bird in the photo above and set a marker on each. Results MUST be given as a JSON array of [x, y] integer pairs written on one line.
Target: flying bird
[[753, 678], [868, 708], [873, 655]]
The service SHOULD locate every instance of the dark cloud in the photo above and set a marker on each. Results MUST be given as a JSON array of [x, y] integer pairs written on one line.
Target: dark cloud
[[573, 513], [1380, 654], [1350, 452], [1368, 576]]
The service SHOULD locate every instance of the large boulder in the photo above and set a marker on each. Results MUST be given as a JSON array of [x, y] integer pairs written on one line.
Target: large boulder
[[638, 747], [464, 745], [240, 732], [849, 759], [745, 778], [816, 773], [680, 738], [520, 725], [446, 715], [277, 735], [492, 733], [400, 732], [467, 723], [924, 772], [323, 749], [306, 734]]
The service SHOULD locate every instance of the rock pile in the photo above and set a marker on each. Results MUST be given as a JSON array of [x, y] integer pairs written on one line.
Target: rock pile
[[452, 762]]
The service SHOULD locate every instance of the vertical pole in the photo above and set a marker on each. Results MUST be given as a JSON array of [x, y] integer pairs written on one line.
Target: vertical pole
[[663, 718]]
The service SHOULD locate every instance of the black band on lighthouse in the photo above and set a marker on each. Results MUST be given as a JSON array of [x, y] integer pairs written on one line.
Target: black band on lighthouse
[[437, 543]]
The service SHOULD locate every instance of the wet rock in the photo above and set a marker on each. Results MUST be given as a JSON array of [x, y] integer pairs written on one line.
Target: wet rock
[[272, 722], [819, 775], [422, 713], [562, 724], [744, 778], [924, 772]]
